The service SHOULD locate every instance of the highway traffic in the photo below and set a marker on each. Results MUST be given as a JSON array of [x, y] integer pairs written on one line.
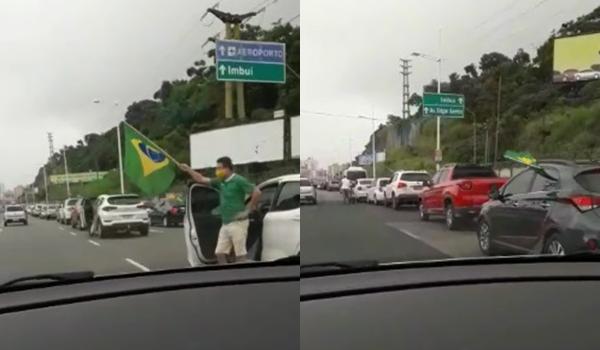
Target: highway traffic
[[45, 246]]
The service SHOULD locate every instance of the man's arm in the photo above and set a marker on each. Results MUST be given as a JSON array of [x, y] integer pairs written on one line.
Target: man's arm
[[254, 199], [196, 176]]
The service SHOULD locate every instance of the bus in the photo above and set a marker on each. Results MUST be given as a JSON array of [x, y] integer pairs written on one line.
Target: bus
[[354, 173]]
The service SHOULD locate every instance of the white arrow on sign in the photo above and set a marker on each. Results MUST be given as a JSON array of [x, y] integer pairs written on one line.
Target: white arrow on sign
[[460, 100], [222, 69], [222, 49]]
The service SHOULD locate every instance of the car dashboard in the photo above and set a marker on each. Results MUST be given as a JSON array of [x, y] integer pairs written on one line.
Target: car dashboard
[[242, 307], [549, 305]]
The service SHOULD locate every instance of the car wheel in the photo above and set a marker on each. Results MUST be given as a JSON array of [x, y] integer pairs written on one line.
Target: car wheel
[[25, 223], [5, 223], [101, 231], [144, 231], [395, 202], [484, 238], [422, 213], [554, 246], [451, 219]]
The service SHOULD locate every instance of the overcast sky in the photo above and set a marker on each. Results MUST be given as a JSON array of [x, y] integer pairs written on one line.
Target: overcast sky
[[58, 56], [351, 50]]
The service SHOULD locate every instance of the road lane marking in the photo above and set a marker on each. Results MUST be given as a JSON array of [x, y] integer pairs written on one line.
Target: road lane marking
[[156, 231], [73, 233], [61, 228], [94, 243], [137, 264]]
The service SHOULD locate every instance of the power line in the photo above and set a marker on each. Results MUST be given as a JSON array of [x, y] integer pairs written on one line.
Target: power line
[[508, 20], [347, 116]]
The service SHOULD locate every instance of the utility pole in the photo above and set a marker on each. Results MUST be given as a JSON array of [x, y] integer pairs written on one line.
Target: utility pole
[[232, 31], [66, 172], [497, 119], [486, 144], [51, 150], [405, 87]]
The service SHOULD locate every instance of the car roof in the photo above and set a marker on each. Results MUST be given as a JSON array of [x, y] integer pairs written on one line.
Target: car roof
[[279, 179], [411, 171]]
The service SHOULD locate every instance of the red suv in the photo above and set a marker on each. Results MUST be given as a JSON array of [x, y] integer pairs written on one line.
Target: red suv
[[457, 192]]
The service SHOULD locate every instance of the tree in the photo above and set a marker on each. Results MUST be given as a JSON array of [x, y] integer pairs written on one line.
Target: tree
[[492, 60], [521, 58]]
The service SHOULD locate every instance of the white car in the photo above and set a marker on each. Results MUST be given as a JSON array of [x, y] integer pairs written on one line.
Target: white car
[[14, 213], [119, 213], [362, 188], [308, 193], [48, 211], [405, 187], [376, 194], [274, 230], [587, 74], [64, 213]]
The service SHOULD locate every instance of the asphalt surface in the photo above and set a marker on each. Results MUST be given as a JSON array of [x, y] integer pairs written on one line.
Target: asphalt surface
[[334, 231], [49, 247]]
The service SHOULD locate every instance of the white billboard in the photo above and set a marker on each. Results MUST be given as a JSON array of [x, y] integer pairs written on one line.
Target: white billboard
[[256, 142], [295, 133]]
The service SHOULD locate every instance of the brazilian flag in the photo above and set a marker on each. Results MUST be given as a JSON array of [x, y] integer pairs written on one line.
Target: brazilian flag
[[145, 164]]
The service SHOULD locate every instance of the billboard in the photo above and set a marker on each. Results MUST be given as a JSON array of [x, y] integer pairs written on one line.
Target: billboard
[[577, 58], [78, 177], [295, 125], [256, 142]]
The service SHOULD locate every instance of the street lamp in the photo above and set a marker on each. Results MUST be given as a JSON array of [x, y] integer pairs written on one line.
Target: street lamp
[[439, 88], [116, 104]]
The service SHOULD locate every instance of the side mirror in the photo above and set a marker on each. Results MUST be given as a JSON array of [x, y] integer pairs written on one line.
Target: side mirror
[[495, 194]]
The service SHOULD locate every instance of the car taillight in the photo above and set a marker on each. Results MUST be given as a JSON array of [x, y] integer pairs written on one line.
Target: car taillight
[[585, 203], [467, 185], [401, 185], [109, 208], [358, 188], [592, 244], [173, 210]]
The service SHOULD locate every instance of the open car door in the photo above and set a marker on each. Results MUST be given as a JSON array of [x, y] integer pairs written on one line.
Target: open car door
[[281, 224], [202, 223]]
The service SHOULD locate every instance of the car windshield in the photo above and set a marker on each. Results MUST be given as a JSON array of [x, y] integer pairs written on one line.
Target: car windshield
[[414, 177], [305, 183], [472, 171], [104, 106], [365, 182], [486, 125], [123, 200], [14, 208]]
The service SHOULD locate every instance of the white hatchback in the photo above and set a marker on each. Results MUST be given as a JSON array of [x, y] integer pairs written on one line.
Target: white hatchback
[[362, 188], [119, 213], [14, 213], [274, 230], [376, 193], [405, 187]]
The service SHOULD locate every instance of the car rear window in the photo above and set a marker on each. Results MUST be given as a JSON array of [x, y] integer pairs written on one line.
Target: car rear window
[[14, 208], [365, 182], [72, 202], [590, 180], [123, 200], [305, 183], [472, 171], [383, 182], [355, 175], [414, 177]]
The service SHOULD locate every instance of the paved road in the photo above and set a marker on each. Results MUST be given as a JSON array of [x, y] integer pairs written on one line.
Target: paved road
[[47, 246], [333, 231]]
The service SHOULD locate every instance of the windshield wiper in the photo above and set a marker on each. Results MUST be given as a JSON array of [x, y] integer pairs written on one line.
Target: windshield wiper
[[77, 276]]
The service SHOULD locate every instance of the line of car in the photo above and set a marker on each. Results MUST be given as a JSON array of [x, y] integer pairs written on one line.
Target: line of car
[[552, 208]]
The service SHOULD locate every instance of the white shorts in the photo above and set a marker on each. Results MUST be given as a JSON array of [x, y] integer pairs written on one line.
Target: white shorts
[[233, 235]]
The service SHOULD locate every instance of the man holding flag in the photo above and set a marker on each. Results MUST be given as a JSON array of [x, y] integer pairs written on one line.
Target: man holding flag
[[233, 189]]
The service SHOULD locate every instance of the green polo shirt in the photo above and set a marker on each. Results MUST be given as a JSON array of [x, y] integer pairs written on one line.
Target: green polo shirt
[[232, 194]]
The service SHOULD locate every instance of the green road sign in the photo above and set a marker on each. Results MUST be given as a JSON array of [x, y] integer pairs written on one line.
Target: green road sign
[[443, 105], [251, 72], [250, 61]]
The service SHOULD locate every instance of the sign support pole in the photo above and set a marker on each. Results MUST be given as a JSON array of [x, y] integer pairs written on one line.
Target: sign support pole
[[120, 158], [67, 173]]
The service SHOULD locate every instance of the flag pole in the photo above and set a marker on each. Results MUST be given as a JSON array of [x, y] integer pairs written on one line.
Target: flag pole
[[120, 158], [154, 144]]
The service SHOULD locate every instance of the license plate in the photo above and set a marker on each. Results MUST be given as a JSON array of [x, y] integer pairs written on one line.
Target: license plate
[[126, 216], [417, 187]]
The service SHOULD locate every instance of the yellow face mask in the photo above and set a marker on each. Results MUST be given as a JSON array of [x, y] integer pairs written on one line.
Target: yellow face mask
[[220, 173]]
